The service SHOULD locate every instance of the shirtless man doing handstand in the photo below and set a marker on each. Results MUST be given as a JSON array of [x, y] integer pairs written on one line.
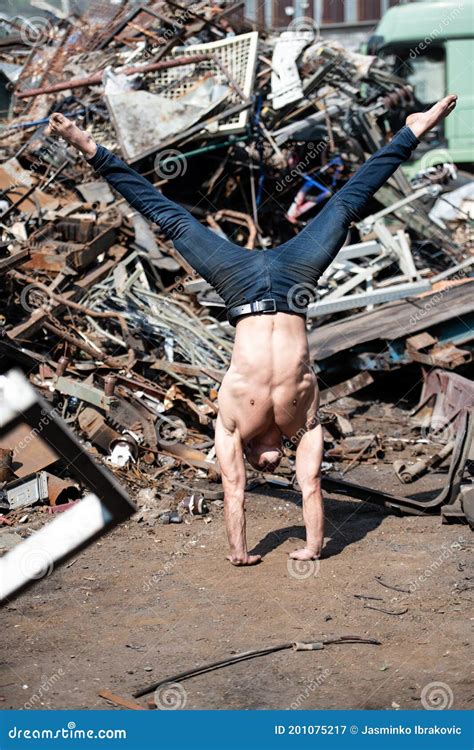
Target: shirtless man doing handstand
[[270, 390]]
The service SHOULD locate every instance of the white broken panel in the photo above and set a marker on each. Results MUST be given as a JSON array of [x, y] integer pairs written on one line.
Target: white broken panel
[[454, 206], [36, 556], [143, 120], [286, 82], [109, 504], [24, 491]]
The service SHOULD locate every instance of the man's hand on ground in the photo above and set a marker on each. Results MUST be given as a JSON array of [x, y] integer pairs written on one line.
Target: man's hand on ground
[[304, 554], [244, 559]]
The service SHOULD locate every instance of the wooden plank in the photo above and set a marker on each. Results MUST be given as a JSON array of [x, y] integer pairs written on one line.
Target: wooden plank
[[392, 321], [347, 388], [119, 701]]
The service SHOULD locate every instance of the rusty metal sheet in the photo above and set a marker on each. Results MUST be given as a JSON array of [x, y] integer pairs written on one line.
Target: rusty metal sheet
[[16, 181], [30, 452], [444, 399]]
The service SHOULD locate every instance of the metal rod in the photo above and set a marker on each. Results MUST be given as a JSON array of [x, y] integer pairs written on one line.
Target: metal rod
[[96, 78]]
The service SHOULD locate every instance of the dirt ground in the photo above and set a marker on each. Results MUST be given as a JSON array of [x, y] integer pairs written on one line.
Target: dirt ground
[[143, 604]]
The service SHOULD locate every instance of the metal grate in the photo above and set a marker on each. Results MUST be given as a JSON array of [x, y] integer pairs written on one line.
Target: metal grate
[[238, 55]]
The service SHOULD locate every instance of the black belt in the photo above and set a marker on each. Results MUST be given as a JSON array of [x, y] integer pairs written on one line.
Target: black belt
[[260, 306]]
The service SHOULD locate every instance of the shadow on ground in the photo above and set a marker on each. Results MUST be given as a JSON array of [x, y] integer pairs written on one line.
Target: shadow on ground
[[346, 523]]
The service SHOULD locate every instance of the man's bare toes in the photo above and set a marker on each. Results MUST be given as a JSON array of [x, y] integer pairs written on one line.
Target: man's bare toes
[[56, 123], [421, 122], [446, 105], [241, 560], [452, 103]]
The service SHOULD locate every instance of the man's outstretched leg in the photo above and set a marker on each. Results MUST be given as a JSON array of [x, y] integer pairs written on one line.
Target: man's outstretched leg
[[202, 248], [359, 190], [316, 246]]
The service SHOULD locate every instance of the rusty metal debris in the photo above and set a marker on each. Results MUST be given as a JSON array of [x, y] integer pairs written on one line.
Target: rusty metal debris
[[407, 473], [125, 342], [455, 498]]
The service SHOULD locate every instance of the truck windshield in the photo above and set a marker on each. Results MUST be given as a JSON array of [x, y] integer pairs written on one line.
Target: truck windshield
[[423, 69]]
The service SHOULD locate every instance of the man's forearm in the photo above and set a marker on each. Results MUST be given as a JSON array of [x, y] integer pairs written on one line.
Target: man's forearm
[[308, 471], [234, 511], [313, 515]]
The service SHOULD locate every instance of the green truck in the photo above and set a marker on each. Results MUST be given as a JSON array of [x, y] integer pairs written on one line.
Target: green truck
[[430, 43]]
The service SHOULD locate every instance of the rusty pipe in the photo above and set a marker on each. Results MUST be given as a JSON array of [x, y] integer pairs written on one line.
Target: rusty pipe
[[96, 78]]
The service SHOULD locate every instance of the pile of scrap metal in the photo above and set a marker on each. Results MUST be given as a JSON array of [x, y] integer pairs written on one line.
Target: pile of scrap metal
[[252, 132]]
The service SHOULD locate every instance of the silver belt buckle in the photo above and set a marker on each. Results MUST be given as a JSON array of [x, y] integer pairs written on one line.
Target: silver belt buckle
[[273, 309]]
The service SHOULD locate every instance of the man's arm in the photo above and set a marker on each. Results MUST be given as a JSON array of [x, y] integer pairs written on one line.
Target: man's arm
[[309, 456], [231, 461]]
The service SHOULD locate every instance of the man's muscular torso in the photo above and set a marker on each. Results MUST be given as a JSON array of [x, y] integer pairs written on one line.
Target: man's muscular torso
[[270, 390]]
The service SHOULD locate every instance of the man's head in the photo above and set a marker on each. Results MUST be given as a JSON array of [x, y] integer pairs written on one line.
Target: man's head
[[264, 452]]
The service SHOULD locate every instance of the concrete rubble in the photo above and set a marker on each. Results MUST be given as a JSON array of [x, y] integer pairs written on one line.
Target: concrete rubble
[[252, 132]]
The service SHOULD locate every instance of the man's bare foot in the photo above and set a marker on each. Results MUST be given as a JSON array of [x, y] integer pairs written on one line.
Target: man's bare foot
[[421, 122], [60, 126], [244, 559], [305, 554]]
